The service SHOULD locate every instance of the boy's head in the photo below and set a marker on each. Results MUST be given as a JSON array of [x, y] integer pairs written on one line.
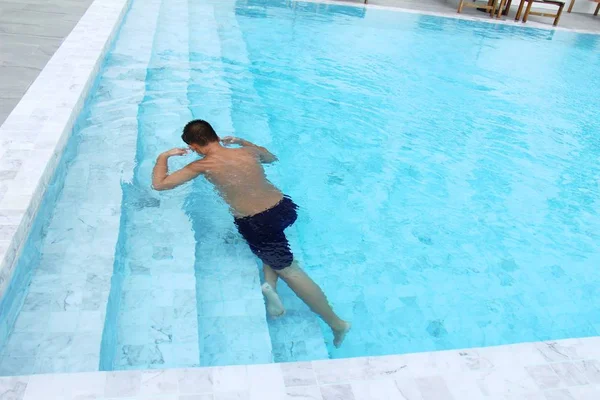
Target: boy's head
[[198, 134]]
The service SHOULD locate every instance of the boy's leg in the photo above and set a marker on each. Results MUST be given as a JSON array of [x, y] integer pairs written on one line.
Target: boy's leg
[[314, 297], [274, 305], [271, 276]]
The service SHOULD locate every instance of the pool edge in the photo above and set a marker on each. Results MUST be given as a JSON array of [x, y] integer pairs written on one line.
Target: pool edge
[[43, 120], [453, 15], [566, 367]]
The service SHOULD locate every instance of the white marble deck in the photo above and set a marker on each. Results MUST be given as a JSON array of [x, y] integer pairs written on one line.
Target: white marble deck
[[561, 370], [37, 130]]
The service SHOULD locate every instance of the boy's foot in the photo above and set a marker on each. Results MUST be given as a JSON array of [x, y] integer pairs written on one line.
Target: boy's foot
[[274, 305], [340, 335]]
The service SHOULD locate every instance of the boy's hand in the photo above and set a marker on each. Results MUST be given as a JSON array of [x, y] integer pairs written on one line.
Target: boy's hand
[[176, 152]]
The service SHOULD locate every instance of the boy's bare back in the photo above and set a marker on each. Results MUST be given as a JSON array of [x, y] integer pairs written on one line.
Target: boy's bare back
[[239, 177]]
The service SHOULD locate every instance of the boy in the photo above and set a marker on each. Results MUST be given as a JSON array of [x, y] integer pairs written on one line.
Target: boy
[[261, 212]]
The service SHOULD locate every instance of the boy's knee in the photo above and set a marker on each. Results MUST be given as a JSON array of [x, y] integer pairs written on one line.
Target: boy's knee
[[284, 272], [290, 271]]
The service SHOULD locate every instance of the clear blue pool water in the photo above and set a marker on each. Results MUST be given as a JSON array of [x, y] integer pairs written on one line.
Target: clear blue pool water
[[446, 170]]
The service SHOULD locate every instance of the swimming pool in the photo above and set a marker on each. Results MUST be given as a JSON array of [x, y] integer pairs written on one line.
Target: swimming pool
[[445, 169]]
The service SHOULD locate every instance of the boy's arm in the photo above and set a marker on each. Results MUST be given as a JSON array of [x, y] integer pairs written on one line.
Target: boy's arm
[[265, 155], [161, 180]]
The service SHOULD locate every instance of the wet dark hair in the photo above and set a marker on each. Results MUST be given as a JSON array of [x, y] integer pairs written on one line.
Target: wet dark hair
[[199, 132]]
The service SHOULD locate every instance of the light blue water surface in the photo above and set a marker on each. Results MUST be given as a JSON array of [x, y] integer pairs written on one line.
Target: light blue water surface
[[446, 171]]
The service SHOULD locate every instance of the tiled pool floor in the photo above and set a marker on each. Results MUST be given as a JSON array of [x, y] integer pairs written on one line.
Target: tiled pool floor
[[567, 369]]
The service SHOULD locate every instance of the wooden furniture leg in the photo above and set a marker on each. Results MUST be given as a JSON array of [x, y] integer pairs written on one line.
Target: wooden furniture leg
[[571, 6], [597, 9], [527, 10], [507, 7], [520, 10], [560, 10], [489, 8], [493, 10], [500, 8]]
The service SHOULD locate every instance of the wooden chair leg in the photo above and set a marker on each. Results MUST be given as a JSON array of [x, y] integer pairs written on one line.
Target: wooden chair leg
[[507, 7], [520, 10], [500, 8], [560, 10], [597, 9], [571, 6], [493, 4], [527, 10]]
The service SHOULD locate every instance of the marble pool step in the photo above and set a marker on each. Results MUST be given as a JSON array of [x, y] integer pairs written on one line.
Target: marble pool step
[[297, 336], [153, 314], [59, 326], [232, 321]]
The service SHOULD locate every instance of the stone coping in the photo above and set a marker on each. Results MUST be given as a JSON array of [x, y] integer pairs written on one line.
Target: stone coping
[[563, 369]]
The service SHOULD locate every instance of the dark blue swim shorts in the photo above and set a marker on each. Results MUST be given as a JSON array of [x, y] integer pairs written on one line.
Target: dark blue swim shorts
[[265, 235]]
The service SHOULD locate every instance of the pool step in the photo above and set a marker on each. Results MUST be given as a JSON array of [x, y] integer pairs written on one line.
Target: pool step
[[59, 328], [153, 294], [231, 312], [298, 335]]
